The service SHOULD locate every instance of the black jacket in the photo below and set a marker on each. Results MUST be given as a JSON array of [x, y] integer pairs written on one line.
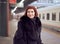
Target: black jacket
[[28, 31]]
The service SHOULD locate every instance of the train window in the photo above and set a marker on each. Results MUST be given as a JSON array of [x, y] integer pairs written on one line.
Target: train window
[[59, 16], [39, 15], [53, 16], [48, 16], [43, 17]]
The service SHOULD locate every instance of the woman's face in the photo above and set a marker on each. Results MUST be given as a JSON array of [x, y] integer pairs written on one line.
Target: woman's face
[[31, 13]]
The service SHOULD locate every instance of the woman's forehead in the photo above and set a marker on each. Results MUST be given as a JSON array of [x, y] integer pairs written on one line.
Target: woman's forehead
[[30, 10]]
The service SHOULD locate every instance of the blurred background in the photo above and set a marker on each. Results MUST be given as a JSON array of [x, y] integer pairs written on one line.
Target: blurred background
[[49, 14]]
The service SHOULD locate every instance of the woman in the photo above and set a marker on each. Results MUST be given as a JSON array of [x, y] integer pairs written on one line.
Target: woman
[[29, 28]]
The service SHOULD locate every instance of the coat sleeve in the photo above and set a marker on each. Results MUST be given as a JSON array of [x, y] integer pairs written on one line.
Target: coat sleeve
[[39, 31], [39, 26], [19, 32]]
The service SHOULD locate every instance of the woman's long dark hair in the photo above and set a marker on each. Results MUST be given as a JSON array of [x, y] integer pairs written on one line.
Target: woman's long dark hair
[[31, 7]]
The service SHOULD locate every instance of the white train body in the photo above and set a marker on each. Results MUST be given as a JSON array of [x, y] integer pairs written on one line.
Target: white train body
[[50, 16]]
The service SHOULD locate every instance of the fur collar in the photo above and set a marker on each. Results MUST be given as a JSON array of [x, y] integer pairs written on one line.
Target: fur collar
[[26, 19]]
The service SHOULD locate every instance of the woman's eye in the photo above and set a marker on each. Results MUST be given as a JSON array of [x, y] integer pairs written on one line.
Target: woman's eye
[[32, 11], [28, 11]]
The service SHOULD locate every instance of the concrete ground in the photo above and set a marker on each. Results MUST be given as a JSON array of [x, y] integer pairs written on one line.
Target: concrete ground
[[48, 36]]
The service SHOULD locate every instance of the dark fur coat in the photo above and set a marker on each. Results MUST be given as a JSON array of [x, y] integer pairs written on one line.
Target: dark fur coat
[[28, 32]]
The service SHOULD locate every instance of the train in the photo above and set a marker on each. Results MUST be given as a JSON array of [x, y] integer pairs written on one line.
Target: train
[[50, 17]]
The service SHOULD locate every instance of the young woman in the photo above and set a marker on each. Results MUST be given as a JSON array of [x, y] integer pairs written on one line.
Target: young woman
[[29, 28]]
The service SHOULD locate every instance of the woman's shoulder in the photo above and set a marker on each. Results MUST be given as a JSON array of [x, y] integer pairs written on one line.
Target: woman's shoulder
[[37, 18], [22, 19]]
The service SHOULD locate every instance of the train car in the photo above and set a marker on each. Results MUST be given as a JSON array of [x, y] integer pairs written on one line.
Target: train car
[[50, 16]]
